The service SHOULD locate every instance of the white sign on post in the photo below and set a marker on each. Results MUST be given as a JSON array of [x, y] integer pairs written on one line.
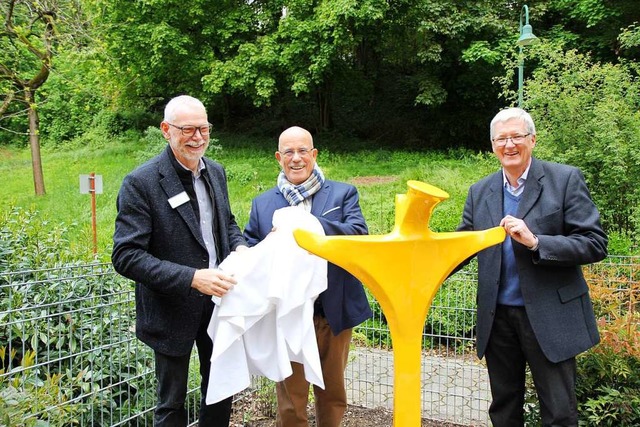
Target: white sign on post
[[85, 184]]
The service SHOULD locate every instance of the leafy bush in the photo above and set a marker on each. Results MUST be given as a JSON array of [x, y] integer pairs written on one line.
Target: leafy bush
[[608, 386], [26, 394], [452, 318], [29, 241], [76, 318], [588, 115]]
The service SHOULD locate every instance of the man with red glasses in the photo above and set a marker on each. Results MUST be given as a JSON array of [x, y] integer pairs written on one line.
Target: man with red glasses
[[174, 226], [533, 302]]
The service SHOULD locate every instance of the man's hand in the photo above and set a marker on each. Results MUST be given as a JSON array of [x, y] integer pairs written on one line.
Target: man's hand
[[210, 281], [518, 230]]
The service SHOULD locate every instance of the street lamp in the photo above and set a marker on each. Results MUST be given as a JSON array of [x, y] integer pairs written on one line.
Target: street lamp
[[526, 38]]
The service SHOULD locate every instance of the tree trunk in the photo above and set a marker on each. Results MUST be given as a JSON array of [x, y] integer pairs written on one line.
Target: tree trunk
[[34, 142], [324, 106]]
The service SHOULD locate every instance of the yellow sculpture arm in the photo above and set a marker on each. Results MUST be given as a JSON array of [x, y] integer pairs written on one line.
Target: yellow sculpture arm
[[404, 269]]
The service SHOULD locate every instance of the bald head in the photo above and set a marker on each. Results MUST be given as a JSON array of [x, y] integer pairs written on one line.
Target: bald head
[[295, 133], [296, 154]]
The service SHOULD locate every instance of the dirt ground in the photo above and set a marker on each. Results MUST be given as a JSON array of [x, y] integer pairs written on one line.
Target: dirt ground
[[248, 412]]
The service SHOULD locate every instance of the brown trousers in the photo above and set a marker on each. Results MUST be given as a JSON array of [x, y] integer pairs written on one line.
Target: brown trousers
[[330, 403]]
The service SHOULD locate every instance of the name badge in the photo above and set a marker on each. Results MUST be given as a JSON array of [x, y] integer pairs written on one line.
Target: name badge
[[178, 199]]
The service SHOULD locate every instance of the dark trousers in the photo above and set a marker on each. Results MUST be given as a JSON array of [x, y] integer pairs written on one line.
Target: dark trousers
[[511, 347], [172, 373]]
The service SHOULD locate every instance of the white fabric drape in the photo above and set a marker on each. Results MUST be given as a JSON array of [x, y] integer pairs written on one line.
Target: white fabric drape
[[266, 321]]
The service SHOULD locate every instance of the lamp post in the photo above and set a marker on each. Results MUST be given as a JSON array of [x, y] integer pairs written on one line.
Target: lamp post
[[526, 38]]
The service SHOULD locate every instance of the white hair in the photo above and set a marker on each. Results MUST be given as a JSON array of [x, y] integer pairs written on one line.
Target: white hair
[[513, 113], [178, 102]]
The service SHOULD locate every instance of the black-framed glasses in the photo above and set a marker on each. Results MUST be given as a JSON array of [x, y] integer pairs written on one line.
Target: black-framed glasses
[[516, 139], [189, 130], [302, 152]]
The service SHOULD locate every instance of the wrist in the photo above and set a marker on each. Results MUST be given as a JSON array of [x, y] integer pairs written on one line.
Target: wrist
[[535, 245]]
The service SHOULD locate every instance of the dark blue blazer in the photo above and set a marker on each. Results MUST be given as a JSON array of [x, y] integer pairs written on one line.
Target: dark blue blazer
[[557, 207], [337, 208], [160, 248]]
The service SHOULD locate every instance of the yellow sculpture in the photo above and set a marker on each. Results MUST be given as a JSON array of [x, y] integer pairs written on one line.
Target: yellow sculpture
[[404, 269]]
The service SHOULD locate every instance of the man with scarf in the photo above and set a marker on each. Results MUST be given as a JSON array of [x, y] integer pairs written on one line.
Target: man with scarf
[[344, 304]]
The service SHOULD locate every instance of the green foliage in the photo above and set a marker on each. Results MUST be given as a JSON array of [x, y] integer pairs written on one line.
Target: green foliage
[[588, 115], [75, 319], [29, 241], [608, 387], [389, 71], [630, 36], [451, 320], [26, 394], [72, 97]]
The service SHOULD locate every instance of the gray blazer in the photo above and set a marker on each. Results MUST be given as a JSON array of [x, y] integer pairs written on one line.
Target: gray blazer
[[160, 248], [557, 207]]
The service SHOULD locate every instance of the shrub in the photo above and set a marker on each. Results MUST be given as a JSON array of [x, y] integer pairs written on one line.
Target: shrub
[[452, 318], [28, 240], [608, 386], [26, 394], [588, 115]]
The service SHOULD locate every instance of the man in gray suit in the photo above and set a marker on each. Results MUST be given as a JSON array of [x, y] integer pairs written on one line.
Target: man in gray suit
[[533, 302], [174, 226]]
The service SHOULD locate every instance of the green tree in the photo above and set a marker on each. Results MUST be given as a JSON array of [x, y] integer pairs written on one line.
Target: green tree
[[358, 62], [588, 115], [162, 48], [28, 40]]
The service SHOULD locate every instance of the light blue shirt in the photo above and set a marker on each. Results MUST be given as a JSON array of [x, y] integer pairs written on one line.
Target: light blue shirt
[[516, 191]]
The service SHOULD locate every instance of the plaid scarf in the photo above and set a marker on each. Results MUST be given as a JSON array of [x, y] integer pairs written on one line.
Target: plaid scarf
[[295, 194]]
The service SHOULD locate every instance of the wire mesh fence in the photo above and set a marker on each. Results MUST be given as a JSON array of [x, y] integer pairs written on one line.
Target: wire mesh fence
[[68, 352]]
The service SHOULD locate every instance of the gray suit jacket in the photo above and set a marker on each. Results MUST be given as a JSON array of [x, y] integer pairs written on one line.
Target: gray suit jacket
[[160, 248], [557, 207]]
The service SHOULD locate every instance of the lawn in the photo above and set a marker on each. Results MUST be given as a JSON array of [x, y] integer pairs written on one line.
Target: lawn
[[379, 174]]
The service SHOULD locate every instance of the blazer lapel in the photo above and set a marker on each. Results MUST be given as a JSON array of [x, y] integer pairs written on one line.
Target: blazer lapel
[[172, 186], [320, 200], [532, 188], [495, 199]]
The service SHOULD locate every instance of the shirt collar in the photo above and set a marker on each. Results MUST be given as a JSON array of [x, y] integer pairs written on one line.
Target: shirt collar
[[197, 173], [521, 180]]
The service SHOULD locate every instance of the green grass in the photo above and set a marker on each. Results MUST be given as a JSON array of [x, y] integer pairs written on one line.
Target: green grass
[[251, 167]]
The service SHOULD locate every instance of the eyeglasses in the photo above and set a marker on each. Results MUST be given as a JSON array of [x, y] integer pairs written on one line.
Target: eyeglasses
[[188, 130], [516, 139], [302, 152]]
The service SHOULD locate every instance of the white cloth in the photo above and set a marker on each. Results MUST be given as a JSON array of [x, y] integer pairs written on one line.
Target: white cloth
[[266, 320]]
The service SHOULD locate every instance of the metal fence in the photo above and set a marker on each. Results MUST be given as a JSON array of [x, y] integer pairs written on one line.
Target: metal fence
[[68, 352]]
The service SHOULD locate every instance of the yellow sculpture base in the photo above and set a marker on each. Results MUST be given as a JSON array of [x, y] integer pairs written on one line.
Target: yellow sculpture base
[[403, 270]]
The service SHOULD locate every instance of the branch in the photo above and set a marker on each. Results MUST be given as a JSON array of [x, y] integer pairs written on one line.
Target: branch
[[8, 24], [8, 20], [49, 32], [5, 104], [7, 74]]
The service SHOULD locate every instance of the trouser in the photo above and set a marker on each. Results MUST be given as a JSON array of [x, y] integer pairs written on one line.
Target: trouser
[[172, 373], [330, 403], [511, 347]]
